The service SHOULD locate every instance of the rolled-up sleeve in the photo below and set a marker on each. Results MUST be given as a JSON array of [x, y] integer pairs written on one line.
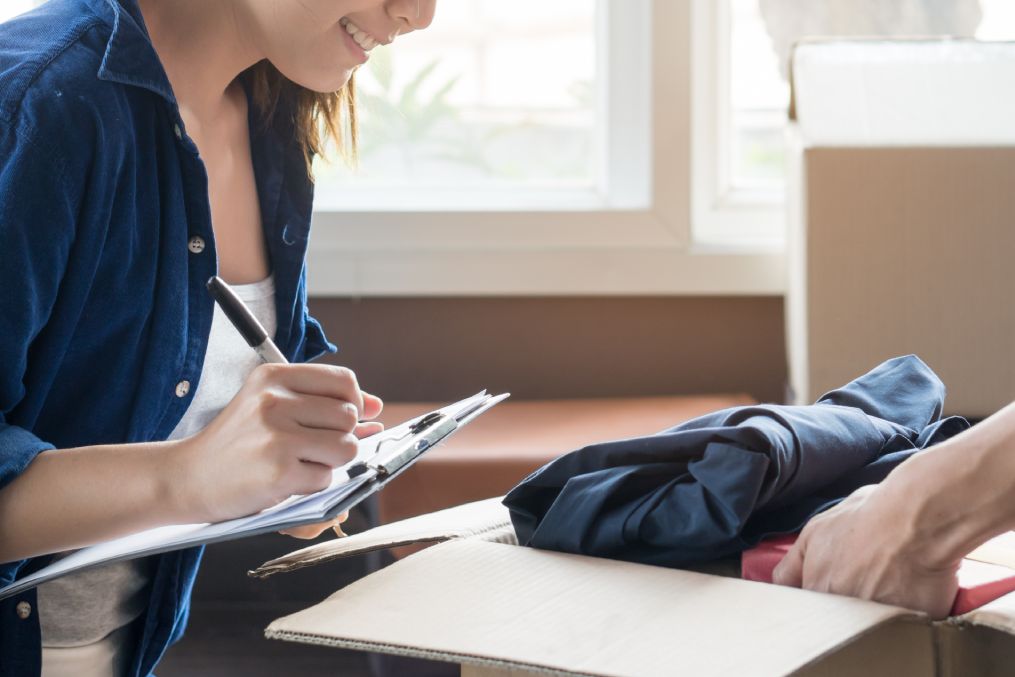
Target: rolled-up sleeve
[[39, 203]]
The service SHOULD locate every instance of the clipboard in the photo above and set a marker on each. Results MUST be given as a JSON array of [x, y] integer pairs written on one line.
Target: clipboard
[[380, 459]]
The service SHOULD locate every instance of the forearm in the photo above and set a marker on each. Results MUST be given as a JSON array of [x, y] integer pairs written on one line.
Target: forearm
[[72, 498], [283, 434], [962, 492]]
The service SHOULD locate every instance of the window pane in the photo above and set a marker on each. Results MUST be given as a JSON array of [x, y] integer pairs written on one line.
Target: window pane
[[494, 95], [763, 32]]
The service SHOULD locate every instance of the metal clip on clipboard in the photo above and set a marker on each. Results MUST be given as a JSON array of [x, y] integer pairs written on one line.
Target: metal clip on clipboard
[[394, 454]]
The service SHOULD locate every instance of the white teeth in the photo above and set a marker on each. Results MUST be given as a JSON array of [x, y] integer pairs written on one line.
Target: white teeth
[[362, 38]]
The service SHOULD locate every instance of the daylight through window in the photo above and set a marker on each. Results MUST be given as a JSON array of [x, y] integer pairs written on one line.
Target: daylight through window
[[762, 32]]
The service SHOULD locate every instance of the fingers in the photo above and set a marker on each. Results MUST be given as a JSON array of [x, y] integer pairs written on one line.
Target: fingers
[[372, 406], [314, 530], [321, 413], [790, 571], [367, 429], [325, 447], [337, 383], [305, 532], [336, 524], [309, 478], [314, 379]]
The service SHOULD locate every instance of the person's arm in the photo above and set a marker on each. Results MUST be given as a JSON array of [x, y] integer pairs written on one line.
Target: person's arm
[[71, 498], [39, 232], [285, 431], [901, 542]]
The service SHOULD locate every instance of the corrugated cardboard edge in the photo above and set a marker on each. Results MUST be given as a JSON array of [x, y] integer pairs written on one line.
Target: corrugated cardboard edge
[[998, 615], [488, 519], [409, 652], [480, 661], [384, 614]]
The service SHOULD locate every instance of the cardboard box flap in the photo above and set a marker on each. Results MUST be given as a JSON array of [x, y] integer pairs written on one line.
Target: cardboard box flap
[[902, 92], [487, 519], [999, 614], [487, 604]]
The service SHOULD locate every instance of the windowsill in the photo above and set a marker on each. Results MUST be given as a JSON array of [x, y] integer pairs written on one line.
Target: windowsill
[[705, 270], [736, 250]]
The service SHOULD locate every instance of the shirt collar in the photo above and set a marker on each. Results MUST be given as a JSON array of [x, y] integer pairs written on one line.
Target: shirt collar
[[130, 57]]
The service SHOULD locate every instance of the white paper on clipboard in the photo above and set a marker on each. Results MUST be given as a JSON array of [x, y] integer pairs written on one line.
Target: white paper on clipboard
[[294, 511]]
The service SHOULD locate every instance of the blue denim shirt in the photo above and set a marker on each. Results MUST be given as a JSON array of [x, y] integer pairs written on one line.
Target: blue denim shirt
[[103, 308]]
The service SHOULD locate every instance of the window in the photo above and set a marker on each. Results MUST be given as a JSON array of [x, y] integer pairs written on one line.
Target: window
[[622, 226], [496, 104], [617, 221], [761, 33], [740, 94]]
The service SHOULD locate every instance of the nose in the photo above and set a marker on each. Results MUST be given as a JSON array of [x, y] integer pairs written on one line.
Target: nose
[[413, 15]]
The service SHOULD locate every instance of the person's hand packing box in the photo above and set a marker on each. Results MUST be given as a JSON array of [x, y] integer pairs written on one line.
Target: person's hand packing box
[[985, 575]]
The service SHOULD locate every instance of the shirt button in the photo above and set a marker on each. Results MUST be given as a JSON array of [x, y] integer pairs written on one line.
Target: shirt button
[[182, 388], [24, 610], [196, 245], [178, 132]]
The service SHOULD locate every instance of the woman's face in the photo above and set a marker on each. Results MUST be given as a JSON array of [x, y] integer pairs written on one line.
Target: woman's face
[[319, 43]]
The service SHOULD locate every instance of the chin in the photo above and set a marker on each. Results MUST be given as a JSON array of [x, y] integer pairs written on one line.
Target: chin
[[324, 83], [333, 86]]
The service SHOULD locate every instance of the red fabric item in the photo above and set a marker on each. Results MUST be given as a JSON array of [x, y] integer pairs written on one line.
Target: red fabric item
[[979, 582]]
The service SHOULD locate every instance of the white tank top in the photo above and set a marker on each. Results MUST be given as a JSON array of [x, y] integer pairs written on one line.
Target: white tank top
[[82, 615]]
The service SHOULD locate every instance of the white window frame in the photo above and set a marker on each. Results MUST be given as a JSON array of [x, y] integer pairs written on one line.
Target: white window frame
[[723, 213], [669, 239]]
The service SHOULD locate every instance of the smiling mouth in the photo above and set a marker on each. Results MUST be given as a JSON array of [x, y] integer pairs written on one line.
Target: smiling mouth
[[361, 37]]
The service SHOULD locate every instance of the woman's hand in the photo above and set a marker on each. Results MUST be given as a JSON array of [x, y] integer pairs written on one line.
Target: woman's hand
[[282, 434], [870, 546], [311, 531]]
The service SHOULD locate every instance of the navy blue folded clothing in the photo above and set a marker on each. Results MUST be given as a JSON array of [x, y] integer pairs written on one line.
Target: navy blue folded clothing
[[717, 485]]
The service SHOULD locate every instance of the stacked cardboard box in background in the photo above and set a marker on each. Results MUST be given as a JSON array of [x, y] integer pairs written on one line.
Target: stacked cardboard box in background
[[902, 215]]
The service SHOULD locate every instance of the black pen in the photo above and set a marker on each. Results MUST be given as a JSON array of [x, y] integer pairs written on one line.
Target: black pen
[[253, 332]]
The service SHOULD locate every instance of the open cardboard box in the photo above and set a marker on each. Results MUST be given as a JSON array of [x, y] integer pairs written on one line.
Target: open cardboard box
[[480, 600]]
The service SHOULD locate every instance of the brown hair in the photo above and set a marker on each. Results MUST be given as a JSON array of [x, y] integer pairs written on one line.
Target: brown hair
[[317, 117]]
